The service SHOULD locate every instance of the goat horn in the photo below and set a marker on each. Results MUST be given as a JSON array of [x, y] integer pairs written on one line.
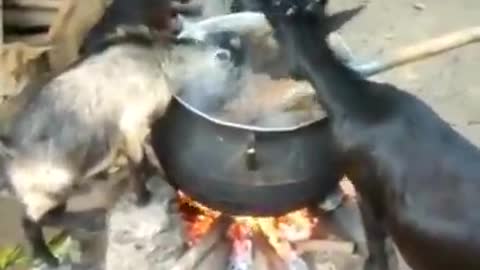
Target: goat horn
[[246, 23]]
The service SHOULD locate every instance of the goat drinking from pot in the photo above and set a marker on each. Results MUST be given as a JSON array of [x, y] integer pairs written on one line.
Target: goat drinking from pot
[[418, 178], [101, 108], [158, 14]]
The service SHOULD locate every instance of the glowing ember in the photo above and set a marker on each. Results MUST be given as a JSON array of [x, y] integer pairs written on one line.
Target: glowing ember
[[280, 231], [198, 218]]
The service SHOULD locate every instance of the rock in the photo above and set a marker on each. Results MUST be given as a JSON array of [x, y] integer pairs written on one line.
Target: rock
[[419, 6]]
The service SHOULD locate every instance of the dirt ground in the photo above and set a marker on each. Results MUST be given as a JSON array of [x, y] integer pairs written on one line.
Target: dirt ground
[[448, 82]]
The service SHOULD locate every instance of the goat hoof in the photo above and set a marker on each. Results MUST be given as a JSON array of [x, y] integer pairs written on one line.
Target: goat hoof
[[49, 259], [372, 264], [53, 262], [143, 199]]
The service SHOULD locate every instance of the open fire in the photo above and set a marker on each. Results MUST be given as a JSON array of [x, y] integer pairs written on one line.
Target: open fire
[[204, 239], [282, 234]]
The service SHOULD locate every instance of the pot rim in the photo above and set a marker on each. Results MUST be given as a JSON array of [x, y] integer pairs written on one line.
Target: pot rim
[[243, 126]]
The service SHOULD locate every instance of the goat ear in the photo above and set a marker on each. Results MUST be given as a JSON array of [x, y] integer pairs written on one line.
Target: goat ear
[[337, 20]]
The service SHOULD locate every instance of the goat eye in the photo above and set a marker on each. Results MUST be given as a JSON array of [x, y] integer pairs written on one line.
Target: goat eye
[[236, 42], [222, 55]]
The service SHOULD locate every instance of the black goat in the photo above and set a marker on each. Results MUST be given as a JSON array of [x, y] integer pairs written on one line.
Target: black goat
[[418, 179]]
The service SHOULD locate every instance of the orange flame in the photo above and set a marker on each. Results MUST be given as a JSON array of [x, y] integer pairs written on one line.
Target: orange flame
[[280, 231], [198, 218]]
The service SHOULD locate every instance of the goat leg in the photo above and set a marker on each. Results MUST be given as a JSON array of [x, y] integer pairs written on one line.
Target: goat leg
[[34, 236], [148, 167], [139, 184], [140, 172], [152, 164], [137, 162], [378, 258]]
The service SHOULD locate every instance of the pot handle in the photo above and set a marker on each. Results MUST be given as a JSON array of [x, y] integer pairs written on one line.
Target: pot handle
[[251, 154]]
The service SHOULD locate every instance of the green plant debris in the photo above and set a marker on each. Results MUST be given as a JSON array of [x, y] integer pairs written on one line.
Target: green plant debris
[[18, 256]]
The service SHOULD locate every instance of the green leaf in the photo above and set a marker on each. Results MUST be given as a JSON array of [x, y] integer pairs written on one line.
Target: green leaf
[[3, 257], [16, 256], [11, 256], [25, 261]]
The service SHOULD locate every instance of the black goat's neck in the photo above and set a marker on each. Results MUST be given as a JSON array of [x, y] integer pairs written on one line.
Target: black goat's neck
[[340, 90]]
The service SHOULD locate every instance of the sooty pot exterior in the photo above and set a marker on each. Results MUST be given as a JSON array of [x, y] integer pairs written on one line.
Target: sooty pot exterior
[[245, 172]]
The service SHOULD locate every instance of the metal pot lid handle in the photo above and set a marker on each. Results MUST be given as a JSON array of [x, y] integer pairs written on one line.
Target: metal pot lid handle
[[251, 153]]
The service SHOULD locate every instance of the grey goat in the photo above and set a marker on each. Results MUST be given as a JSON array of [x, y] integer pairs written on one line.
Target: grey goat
[[99, 109]]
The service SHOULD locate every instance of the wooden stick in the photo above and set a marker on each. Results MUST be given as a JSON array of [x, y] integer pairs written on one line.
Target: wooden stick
[[217, 257], [33, 39], [260, 259], [45, 4], [1, 22], [324, 246], [28, 17], [274, 260], [69, 28], [197, 253], [191, 9], [420, 51]]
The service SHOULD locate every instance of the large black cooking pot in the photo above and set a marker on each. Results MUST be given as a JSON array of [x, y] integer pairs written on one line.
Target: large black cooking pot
[[245, 170]]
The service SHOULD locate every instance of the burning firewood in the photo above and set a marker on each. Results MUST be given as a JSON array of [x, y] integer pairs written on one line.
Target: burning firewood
[[270, 238], [260, 260], [271, 257], [195, 254], [241, 256], [217, 258], [235, 243], [290, 261]]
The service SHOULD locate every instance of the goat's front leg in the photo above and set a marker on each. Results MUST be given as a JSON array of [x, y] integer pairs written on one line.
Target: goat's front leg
[[138, 165], [34, 236], [379, 258], [32, 228], [139, 178]]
